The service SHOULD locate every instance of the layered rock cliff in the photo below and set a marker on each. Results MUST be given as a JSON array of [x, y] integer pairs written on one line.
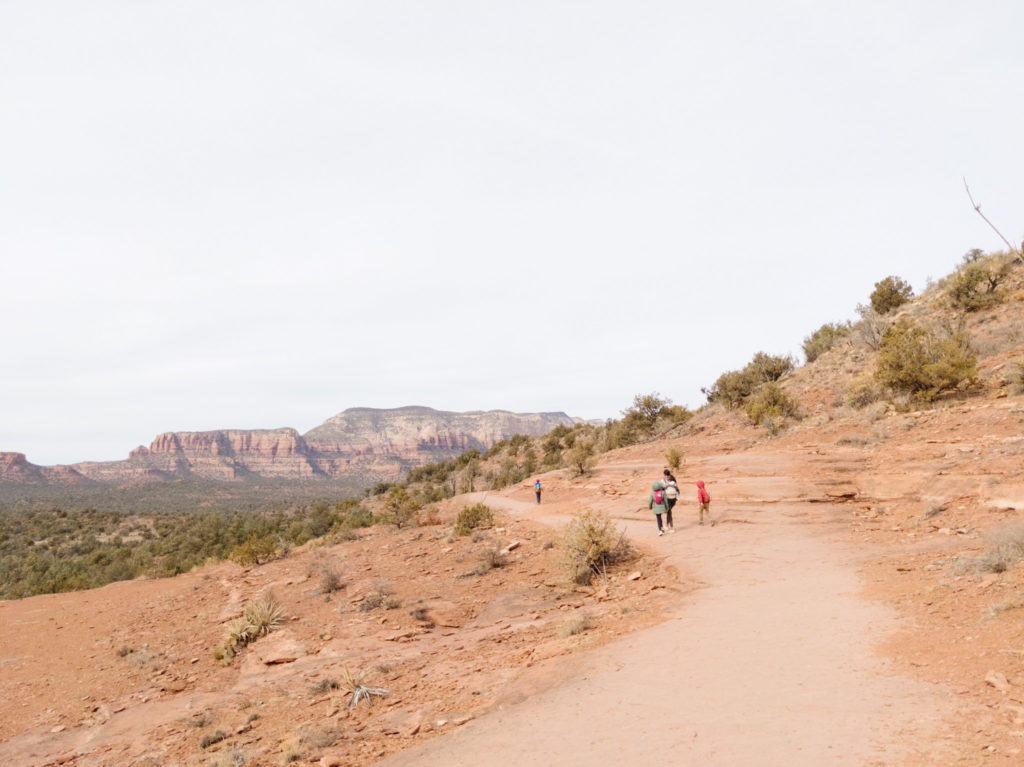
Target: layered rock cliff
[[421, 434], [360, 443]]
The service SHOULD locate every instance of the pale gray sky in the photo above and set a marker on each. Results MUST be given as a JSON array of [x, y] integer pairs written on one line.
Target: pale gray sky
[[257, 214]]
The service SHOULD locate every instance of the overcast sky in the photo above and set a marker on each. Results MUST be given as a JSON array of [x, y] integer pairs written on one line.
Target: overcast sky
[[257, 214]]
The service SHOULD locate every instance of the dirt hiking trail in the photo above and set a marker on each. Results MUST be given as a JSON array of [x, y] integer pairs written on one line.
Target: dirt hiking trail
[[769, 661]]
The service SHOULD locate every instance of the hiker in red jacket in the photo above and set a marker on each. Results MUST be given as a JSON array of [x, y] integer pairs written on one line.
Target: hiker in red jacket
[[704, 499]]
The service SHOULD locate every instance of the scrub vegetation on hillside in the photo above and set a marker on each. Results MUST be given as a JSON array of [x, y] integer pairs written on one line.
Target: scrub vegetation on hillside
[[54, 550], [908, 352]]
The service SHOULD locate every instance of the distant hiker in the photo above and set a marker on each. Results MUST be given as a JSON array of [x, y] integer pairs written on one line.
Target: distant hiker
[[657, 504], [671, 488], [704, 499], [536, 489]]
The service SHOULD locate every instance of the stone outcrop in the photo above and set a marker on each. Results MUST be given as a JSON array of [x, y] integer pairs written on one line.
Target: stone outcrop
[[356, 443], [16, 469]]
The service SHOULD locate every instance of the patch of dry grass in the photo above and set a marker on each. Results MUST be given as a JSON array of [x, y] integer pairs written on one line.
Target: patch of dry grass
[[577, 625]]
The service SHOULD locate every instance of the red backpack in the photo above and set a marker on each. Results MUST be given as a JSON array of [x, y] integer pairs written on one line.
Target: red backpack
[[659, 497]]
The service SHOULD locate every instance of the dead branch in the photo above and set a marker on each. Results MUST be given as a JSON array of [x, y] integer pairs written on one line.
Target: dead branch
[[977, 209]]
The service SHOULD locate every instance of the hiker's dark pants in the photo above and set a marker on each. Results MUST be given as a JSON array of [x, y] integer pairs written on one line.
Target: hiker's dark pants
[[669, 503], [538, 496]]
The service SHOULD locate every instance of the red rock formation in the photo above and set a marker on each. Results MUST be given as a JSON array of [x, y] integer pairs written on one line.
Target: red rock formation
[[360, 442], [14, 467]]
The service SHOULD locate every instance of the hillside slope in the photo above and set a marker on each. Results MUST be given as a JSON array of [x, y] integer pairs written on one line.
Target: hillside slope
[[856, 602], [124, 675]]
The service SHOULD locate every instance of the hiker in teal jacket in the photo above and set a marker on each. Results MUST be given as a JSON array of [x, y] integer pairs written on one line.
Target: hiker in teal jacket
[[659, 504]]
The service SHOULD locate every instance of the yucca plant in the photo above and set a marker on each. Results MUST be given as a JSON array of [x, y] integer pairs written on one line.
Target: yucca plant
[[357, 685], [259, 618]]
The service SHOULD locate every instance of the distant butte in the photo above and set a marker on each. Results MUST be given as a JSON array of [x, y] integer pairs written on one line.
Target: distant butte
[[358, 442]]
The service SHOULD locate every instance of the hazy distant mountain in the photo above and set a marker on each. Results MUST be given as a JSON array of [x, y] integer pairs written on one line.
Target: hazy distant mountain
[[357, 445]]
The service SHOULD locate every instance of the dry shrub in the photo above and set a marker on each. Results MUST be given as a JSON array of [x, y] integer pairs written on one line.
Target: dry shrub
[[381, 597], [330, 577], [320, 739], [590, 543], [862, 391], [1007, 549], [323, 685], [429, 516], [233, 758], [577, 625], [1016, 375], [208, 740], [491, 559]]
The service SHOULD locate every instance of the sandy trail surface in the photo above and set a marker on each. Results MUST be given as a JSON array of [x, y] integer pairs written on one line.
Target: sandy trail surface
[[771, 661]]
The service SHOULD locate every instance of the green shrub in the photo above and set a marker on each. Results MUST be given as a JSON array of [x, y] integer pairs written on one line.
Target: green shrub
[[734, 386], [673, 458], [581, 459], [552, 446], [472, 517], [351, 513], [889, 294], [770, 401], [919, 362], [256, 550], [641, 419], [509, 473], [400, 507], [590, 543], [824, 338], [976, 283]]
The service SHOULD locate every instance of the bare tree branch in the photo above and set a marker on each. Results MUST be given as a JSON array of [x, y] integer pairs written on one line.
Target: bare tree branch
[[977, 208]]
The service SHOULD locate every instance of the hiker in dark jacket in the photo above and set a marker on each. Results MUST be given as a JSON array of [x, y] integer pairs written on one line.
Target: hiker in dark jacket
[[657, 503]]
